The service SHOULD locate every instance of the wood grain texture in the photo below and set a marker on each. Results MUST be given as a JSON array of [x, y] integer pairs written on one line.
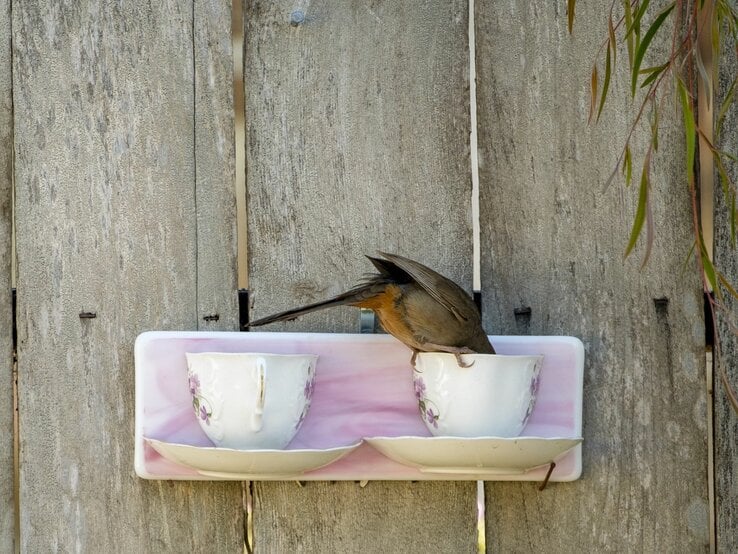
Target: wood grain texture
[[215, 170], [384, 516], [7, 497], [107, 223], [357, 141], [553, 240], [726, 420]]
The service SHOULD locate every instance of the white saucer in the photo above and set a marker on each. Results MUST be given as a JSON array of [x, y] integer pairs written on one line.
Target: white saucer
[[474, 455], [228, 463]]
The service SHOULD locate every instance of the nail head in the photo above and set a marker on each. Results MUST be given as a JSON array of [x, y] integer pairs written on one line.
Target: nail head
[[297, 17]]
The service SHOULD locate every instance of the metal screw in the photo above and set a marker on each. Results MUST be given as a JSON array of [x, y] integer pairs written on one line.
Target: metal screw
[[297, 17]]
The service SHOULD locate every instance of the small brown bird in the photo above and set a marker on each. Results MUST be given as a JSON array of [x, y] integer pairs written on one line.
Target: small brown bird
[[421, 308]]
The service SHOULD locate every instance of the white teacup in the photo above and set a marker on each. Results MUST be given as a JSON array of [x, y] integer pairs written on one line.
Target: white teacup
[[492, 398], [250, 400]]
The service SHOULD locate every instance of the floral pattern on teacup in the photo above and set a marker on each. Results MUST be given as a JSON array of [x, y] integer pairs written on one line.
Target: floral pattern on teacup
[[428, 409], [308, 394], [200, 404], [534, 382]]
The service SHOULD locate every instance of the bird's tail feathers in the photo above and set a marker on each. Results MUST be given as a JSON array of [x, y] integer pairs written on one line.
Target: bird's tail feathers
[[352, 297]]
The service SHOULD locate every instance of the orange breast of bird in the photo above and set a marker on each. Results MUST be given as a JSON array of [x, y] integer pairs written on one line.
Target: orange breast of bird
[[391, 314]]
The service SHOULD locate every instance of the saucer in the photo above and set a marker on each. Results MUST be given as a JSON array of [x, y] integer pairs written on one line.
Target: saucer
[[229, 463], [474, 455]]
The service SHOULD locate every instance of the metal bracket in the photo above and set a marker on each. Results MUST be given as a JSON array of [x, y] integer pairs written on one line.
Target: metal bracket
[[243, 309], [367, 321], [709, 327]]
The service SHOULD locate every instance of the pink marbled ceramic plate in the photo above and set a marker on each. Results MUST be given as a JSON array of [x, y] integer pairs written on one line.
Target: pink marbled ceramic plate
[[363, 388]]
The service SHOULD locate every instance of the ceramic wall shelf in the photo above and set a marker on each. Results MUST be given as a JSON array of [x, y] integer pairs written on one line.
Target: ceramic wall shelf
[[363, 423]]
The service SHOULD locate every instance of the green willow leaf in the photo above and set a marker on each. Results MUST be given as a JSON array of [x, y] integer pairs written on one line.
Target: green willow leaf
[[606, 84], [593, 92], [647, 70], [613, 42], [727, 387], [640, 216], [570, 5], [628, 166], [630, 42], [708, 268], [634, 28], [727, 285], [724, 107], [612, 174], [688, 258], [724, 179], [689, 129], [643, 46], [728, 155], [653, 72]]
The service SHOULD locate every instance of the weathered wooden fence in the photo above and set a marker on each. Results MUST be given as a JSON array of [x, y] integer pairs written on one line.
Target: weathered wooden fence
[[117, 123], [7, 497], [726, 422]]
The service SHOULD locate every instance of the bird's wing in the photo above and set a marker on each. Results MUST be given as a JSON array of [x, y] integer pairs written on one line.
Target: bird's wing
[[431, 281], [390, 270]]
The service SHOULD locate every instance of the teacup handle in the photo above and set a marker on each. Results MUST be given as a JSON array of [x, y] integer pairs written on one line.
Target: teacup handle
[[256, 419]]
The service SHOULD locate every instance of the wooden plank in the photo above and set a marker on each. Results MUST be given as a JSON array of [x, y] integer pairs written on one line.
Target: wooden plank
[[387, 515], [553, 240], [357, 132], [215, 169], [105, 173], [726, 420], [7, 496]]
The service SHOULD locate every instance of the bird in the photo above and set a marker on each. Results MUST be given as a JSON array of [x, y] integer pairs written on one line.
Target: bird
[[421, 308]]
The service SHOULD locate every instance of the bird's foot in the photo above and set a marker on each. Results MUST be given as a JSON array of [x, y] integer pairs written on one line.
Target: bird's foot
[[457, 351], [460, 361], [414, 358]]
